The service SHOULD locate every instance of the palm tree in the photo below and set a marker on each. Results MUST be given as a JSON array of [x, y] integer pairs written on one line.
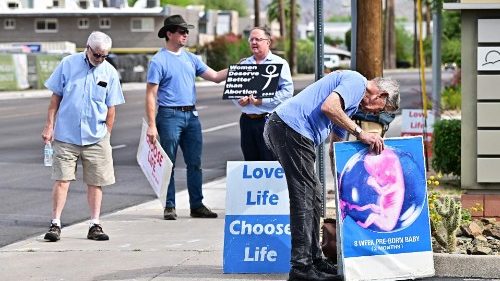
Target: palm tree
[[256, 9], [280, 10]]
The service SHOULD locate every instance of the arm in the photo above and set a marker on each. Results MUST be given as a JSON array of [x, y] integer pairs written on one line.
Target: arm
[[151, 93], [48, 130], [214, 76], [333, 108], [110, 118]]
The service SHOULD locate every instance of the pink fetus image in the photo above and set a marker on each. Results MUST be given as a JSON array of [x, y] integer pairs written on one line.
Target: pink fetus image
[[386, 179]]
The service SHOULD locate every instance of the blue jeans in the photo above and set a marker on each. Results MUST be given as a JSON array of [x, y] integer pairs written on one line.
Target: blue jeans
[[182, 128], [297, 155]]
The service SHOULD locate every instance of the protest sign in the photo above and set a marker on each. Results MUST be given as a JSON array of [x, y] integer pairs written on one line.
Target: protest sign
[[383, 211], [257, 222], [259, 80], [155, 164]]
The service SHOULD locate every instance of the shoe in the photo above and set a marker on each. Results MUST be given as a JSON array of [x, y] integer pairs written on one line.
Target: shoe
[[169, 213], [310, 273], [96, 233], [202, 212], [324, 265], [53, 234]]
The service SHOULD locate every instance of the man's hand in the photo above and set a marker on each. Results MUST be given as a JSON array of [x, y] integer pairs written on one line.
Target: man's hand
[[152, 134], [254, 101], [47, 134], [374, 140], [244, 101]]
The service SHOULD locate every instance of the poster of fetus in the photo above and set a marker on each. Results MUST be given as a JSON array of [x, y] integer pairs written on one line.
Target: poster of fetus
[[383, 211]]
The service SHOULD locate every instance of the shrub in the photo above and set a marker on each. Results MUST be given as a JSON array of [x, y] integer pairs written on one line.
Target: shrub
[[451, 98], [446, 147], [226, 50]]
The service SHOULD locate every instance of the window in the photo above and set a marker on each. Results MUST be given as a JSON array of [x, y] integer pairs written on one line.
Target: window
[[105, 23], [142, 24], [13, 5], [55, 3], [83, 23], [46, 25], [83, 4], [9, 24]]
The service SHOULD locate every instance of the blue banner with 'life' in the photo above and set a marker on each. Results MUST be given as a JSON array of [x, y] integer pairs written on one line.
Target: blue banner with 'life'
[[257, 222]]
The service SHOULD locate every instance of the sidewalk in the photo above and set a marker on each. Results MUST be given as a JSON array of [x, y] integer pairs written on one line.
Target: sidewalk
[[143, 246]]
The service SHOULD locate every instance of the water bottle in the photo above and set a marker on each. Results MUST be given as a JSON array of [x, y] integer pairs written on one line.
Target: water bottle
[[47, 153]]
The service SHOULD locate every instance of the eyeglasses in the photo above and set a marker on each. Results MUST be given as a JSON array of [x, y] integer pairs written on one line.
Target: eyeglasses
[[96, 55], [258, 40], [182, 31], [385, 104]]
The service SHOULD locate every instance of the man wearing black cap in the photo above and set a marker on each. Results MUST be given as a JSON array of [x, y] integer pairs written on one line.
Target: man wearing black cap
[[171, 85]]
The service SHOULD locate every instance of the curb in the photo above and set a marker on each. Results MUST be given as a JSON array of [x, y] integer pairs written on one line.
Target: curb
[[467, 266]]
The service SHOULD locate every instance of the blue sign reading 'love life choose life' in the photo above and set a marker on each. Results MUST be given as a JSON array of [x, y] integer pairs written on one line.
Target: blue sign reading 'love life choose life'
[[257, 223]]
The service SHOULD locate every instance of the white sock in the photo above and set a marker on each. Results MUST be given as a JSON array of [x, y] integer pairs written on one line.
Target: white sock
[[92, 222], [56, 222]]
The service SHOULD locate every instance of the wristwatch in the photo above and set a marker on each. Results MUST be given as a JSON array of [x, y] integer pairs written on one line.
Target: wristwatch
[[357, 131]]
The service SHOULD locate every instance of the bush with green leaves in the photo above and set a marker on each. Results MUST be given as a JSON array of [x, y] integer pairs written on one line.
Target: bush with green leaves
[[446, 147], [451, 98], [226, 50]]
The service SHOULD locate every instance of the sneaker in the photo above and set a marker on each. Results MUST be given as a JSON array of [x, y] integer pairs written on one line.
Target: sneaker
[[326, 266], [169, 213], [310, 273], [96, 233], [53, 234], [202, 212]]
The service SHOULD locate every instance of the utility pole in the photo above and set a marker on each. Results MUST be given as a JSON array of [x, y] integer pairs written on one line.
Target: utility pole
[[369, 51]]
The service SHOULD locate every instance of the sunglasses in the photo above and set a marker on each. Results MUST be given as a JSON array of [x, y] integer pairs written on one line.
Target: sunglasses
[[96, 55], [182, 31]]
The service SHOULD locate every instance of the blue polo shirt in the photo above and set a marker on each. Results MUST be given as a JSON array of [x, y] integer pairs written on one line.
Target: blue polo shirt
[[81, 117], [284, 91], [303, 112], [175, 75]]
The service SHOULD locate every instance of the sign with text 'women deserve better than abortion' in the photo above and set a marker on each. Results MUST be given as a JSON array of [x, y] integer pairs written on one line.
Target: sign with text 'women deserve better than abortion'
[[259, 80]]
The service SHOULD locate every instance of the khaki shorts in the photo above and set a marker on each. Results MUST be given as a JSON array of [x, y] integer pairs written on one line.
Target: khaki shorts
[[97, 162]]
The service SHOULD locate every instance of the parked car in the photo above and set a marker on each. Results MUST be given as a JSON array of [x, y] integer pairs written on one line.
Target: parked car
[[331, 62]]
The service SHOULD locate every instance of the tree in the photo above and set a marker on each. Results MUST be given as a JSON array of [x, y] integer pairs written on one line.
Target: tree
[[279, 10], [281, 18], [390, 36], [256, 8], [292, 60], [235, 5]]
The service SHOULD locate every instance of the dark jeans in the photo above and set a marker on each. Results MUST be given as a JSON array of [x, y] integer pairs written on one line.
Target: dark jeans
[[182, 128], [296, 155], [252, 140]]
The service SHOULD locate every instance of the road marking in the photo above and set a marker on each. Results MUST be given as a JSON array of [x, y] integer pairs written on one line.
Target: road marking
[[216, 128], [119, 146]]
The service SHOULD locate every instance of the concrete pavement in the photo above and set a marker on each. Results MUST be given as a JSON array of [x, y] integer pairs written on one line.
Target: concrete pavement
[[143, 246]]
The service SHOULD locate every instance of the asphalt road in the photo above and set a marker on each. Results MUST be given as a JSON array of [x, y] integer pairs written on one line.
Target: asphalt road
[[25, 185]]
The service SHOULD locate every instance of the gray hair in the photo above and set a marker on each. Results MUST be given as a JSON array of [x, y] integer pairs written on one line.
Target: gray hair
[[391, 87], [266, 30], [99, 40]]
